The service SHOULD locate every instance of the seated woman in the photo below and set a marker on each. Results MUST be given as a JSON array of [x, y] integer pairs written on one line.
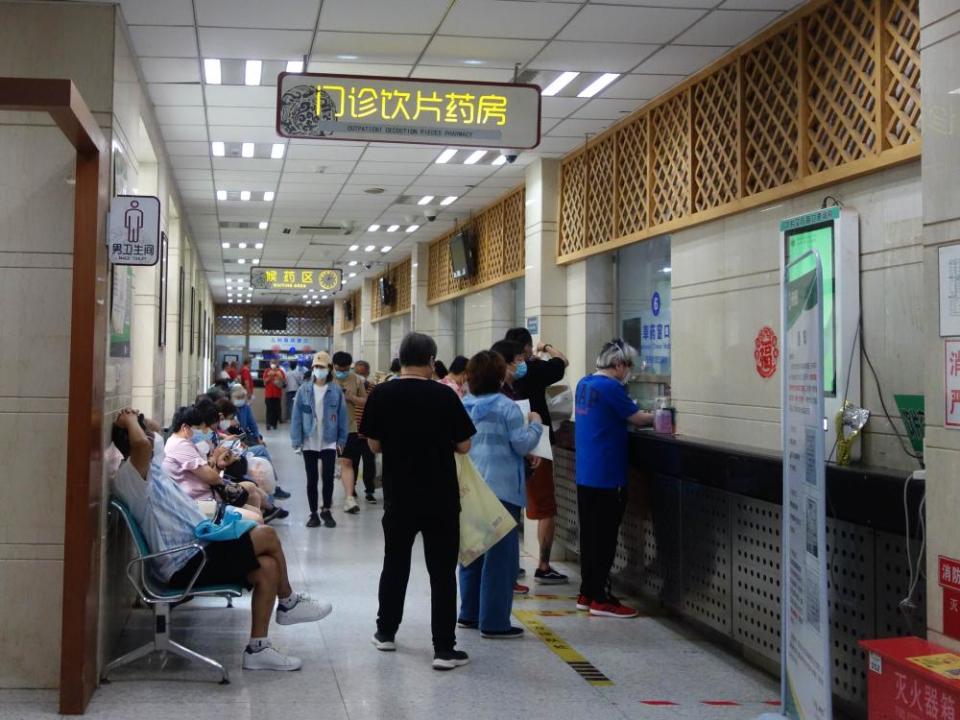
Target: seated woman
[[257, 468], [499, 447], [168, 518], [246, 425]]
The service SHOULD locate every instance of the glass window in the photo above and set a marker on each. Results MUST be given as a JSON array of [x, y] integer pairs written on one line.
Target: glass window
[[520, 302], [643, 305]]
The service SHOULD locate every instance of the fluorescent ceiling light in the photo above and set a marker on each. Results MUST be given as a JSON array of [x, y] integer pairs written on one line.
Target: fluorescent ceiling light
[[256, 261], [373, 228], [276, 152], [347, 57], [386, 249], [229, 281], [242, 246], [475, 157], [211, 71], [323, 297], [666, 269], [305, 297], [393, 228], [413, 228], [244, 195], [247, 150], [559, 84], [294, 66], [218, 148], [353, 274], [446, 156], [225, 246], [259, 246], [449, 200], [473, 62], [425, 200], [499, 160], [221, 194], [248, 302], [230, 301], [352, 263], [241, 261], [370, 248], [597, 85], [268, 196], [263, 226], [253, 71], [239, 281], [354, 248]]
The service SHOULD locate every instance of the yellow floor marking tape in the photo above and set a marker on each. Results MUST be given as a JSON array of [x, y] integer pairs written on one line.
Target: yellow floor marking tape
[[562, 648], [544, 597]]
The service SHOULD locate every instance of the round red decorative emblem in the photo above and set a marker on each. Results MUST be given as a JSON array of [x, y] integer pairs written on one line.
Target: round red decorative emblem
[[766, 352]]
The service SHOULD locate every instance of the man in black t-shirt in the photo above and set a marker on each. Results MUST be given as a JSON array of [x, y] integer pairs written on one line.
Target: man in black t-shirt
[[418, 425], [532, 385]]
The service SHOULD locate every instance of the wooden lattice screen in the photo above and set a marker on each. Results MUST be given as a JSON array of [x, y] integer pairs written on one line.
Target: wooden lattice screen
[[829, 93], [399, 277], [246, 320], [354, 300], [500, 250]]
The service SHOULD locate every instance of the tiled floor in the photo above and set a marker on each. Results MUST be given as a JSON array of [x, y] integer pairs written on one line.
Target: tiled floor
[[649, 660]]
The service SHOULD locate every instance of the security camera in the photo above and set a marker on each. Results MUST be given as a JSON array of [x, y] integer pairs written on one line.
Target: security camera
[[367, 265], [510, 155], [348, 226], [430, 215]]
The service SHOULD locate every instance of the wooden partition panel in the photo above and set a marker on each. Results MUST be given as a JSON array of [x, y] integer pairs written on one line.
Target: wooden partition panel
[[827, 94], [399, 276]]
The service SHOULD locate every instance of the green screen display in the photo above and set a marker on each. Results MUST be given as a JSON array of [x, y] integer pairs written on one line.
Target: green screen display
[[819, 238]]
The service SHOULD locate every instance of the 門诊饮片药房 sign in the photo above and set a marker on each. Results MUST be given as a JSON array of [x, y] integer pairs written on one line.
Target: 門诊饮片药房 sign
[[133, 236], [410, 110], [323, 279]]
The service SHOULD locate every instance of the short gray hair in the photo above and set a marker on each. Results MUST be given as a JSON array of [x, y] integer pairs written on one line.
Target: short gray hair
[[616, 352]]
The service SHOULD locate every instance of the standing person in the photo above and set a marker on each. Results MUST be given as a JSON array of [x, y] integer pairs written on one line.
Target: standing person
[[355, 393], [503, 440], [395, 369], [224, 371], [541, 490], [232, 370], [294, 381], [418, 425], [318, 429], [362, 369], [274, 382], [456, 377], [603, 412], [246, 378], [439, 370]]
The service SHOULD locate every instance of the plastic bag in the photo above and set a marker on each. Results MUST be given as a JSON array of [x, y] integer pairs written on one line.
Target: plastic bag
[[484, 521], [261, 472], [560, 404]]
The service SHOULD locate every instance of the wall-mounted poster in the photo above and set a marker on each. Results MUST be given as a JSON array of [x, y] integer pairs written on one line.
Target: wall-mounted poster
[[164, 292], [193, 324], [180, 292], [120, 309]]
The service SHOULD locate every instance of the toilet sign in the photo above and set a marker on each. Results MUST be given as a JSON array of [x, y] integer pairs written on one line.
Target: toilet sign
[[133, 236]]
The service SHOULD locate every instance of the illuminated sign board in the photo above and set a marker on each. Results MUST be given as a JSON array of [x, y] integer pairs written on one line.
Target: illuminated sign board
[[269, 278], [409, 110]]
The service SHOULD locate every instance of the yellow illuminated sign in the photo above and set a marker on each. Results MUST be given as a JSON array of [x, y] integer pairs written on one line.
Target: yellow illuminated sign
[[361, 102], [326, 279]]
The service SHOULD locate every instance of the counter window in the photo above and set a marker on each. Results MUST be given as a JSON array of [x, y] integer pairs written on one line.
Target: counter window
[[643, 307]]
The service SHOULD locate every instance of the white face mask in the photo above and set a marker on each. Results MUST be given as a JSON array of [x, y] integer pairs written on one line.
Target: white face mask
[[273, 366], [320, 372], [225, 424], [240, 402]]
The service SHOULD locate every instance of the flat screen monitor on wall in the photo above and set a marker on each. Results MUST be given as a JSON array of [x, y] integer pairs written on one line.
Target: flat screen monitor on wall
[[348, 310], [463, 254], [274, 320], [387, 291]]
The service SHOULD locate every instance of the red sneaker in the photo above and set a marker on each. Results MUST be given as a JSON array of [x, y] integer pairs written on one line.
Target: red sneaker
[[612, 608], [519, 589], [583, 602]]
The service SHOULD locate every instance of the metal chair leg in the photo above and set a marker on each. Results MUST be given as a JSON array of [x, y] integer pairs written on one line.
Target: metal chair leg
[[229, 601], [176, 648], [132, 656]]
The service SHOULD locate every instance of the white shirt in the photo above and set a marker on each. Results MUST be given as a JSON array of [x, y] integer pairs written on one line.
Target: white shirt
[[314, 441]]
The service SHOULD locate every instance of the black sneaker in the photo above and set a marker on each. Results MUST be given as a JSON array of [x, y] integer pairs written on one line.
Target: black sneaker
[[512, 634], [383, 642], [550, 577], [371, 498], [521, 573], [314, 520], [449, 659], [272, 514], [280, 493], [468, 624], [327, 518]]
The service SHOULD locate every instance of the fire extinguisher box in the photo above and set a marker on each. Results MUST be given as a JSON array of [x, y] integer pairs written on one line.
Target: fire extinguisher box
[[911, 679]]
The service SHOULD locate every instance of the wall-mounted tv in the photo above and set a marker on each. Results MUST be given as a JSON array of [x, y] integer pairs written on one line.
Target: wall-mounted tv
[[463, 253], [274, 320], [348, 310], [388, 291]]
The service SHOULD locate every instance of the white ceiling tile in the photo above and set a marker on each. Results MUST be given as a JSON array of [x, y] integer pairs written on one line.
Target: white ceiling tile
[[629, 24], [187, 148], [254, 44], [233, 133], [175, 94], [190, 162], [681, 60], [467, 73], [242, 164], [578, 128], [498, 19], [700, 4], [323, 150], [727, 27], [241, 96], [781, 5], [254, 180], [170, 70], [560, 107], [641, 87], [382, 16], [192, 174], [151, 12], [369, 47], [391, 168], [359, 68], [554, 145], [160, 41], [289, 14], [180, 115], [605, 109], [591, 57], [188, 133], [494, 52], [243, 116], [318, 167], [382, 152]]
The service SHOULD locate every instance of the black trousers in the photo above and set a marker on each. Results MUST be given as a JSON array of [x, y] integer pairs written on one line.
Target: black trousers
[[441, 548], [600, 511], [273, 412], [356, 449], [327, 459]]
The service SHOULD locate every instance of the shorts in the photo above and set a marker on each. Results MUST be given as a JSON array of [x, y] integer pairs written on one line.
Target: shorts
[[541, 494], [353, 449], [228, 563]]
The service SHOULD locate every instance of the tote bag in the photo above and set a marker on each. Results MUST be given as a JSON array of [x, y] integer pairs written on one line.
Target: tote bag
[[484, 521]]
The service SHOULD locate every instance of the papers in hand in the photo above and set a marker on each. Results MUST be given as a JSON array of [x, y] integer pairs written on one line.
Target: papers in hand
[[543, 448]]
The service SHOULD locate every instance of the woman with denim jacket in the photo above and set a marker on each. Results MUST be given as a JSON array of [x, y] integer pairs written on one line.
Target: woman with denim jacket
[[502, 441], [318, 429]]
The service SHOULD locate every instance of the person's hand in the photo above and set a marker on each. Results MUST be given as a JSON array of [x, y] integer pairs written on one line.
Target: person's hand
[[534, 461], [298, 451], [339, 450], [360, 402], [535, 418], [262, 441], [542, 347], [127, 417]]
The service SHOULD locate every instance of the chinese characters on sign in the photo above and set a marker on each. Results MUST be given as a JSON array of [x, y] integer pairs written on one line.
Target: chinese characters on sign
[[350, 107], [951, 383], [324, 279], [766, 352], [915, 699], [133, 236]]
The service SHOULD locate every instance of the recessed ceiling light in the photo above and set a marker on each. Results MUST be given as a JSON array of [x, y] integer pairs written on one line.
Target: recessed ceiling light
[[242, 246], [248, 302], [386, 249], [352, 263], [347, 57], [229, 281], [373, 228], [221, 194], [276, 152], [370, 248], [225, 246], [294, 66], [499, 160], [353, 274], [252, 74], [241, 261], [559, 84], [230, 301], [413, 228], [268, 196], [597, 85], [217, 148], [446, 156], [393, 228], [374, 190], [475, 157], [667, 269], [239, 281], [305, 297], [354, 248], [449, 200], [473, 62], [246, 150], [323, 297], [211, 70], [256, 261], [259, 246], [249, 294], [425, 200], [244, 195], [263, 225]]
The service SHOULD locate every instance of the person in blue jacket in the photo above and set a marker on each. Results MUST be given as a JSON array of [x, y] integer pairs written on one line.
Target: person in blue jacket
[[318, 429], [502, 441]]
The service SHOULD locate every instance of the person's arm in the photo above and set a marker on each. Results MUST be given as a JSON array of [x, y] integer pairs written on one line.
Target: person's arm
[[351, 393], [626, 407], [296, 424], [641, 419], [208, 473], [553, 353], [462, 448], [369, 424], [141, 448], [374, 446], [343, 422], [461, 425], [523, 438]]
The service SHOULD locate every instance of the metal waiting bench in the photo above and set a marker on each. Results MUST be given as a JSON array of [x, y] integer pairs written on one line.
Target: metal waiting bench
[[162, 598]]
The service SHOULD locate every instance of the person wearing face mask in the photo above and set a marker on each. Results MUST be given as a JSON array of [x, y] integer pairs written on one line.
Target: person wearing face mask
[[274, 382], [355, 393], [318, 429], [604, 410]]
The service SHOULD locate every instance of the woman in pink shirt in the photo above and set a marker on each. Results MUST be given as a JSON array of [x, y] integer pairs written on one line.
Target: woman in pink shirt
[[456, 378]]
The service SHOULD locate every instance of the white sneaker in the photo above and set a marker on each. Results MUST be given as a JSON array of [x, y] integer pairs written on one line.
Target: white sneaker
[[306, 610], [351, 506], [269, 659]]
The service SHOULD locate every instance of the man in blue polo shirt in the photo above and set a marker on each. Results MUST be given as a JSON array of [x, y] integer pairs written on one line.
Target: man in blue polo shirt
[[603, 412]]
